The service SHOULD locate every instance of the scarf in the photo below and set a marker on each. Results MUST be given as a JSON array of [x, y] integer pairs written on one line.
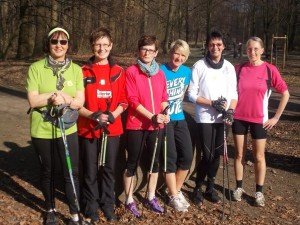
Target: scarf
[[149, 70], [58, 69], [212, 64]]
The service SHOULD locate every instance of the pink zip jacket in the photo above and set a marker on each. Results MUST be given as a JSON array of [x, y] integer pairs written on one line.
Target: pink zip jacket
[[149, 91]]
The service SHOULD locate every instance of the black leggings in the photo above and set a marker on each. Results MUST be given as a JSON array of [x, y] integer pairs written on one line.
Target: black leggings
[[137, 140], [47, 150], [180, 150], [212, 145]]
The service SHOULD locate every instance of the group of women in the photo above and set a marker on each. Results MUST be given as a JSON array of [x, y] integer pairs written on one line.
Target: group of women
[[152, 95]]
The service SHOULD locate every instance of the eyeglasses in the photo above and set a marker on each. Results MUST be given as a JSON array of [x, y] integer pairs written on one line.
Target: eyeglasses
[[61, 42], [101, 45], [213, 45], [144, 50]]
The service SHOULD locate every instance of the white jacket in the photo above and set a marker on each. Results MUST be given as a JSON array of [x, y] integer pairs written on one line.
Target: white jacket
[[211, 84]]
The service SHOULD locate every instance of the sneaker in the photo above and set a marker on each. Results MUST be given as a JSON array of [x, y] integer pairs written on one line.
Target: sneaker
[[133, 209], [237, 194], [154, 205], [176, 204], [212, 196], [50, 218], [259, 199], [183, 200], [197, 196]]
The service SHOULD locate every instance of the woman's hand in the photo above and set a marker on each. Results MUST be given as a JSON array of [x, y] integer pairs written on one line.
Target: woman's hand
[[57, 99], [270, 123]]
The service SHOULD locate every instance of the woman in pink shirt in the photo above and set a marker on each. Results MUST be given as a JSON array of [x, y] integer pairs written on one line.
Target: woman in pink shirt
[[255, 79], [146, 91]]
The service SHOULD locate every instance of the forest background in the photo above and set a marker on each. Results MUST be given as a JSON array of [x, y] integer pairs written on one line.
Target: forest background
[[24, 23]]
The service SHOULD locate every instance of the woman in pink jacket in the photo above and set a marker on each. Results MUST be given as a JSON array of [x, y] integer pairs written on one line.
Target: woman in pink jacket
[[147, 97]]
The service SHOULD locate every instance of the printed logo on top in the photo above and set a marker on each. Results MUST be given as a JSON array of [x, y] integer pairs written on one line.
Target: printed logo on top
[[175, 91], [104, 94]]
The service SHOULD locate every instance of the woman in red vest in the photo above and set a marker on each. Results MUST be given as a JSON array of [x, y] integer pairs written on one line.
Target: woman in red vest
[[105, 100]]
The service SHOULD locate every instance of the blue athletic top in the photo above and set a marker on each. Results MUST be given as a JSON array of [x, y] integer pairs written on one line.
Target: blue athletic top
[[177, 81]]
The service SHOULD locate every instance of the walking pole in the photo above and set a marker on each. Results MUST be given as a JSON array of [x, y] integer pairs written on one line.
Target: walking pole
[[165, 140], [227, 162], [69, 167], [154, 153], [225, 167], [152, 163], [102, 157]]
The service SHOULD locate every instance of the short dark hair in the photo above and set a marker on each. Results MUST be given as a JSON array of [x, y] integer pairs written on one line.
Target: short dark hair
[[148, 40], [99, 33], [214, 35], [48, 38]]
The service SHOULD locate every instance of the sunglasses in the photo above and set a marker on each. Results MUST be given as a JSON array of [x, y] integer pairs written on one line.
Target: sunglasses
[[61, 42]]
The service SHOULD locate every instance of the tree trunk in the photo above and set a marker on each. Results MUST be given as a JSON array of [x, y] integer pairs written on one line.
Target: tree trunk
[[145, 18], [187, 24], [26, 31], [41, 29], [54, 13], [208, 16], [168, 26]]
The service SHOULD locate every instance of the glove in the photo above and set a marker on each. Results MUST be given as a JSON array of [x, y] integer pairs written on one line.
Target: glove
[[219, 104], [154, 119], [228, 116], [111, 118], [95, 116]]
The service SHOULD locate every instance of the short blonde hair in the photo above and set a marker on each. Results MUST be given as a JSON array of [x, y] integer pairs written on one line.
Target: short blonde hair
[[257, 39], [180, 44]]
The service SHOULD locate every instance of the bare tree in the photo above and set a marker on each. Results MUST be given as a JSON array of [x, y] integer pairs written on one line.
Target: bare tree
[[169, 25]]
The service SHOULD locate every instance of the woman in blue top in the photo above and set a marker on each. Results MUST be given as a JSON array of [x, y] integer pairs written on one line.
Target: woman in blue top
[[179, 145]]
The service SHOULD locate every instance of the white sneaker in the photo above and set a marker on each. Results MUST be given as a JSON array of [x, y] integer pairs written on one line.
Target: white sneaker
[[237, 194], [176, 204], [183, 200], [259, 199]]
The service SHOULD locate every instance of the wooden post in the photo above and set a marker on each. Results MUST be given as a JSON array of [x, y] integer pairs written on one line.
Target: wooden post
[[284, 52], [272, 46]]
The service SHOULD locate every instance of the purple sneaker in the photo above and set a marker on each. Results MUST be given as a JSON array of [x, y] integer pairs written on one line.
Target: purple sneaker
[[133, 209], [154, 205]]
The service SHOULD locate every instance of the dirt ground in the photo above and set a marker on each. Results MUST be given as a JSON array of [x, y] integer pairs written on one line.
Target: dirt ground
[[21, 201]]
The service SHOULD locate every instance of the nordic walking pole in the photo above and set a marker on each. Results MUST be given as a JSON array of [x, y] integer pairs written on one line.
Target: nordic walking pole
[[225, 167], [154, 154], [104, 139], [152, 163], [69, 167], [165, 140], [226, 163], [223, 204]]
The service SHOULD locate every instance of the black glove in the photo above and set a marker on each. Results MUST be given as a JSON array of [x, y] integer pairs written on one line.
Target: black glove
[[95, 116], [154, 119], [219, 104], [111, 118], [228, 116]]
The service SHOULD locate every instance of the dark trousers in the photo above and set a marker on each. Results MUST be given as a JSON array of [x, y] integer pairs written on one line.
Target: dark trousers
[[212, 145], [47, 149], [98, 185]]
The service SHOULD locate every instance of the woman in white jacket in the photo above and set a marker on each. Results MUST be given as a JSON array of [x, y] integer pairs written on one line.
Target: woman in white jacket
[[213, 90]]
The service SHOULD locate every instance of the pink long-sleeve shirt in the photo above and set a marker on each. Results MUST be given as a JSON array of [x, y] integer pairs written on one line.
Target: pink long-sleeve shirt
[[148, 91]]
